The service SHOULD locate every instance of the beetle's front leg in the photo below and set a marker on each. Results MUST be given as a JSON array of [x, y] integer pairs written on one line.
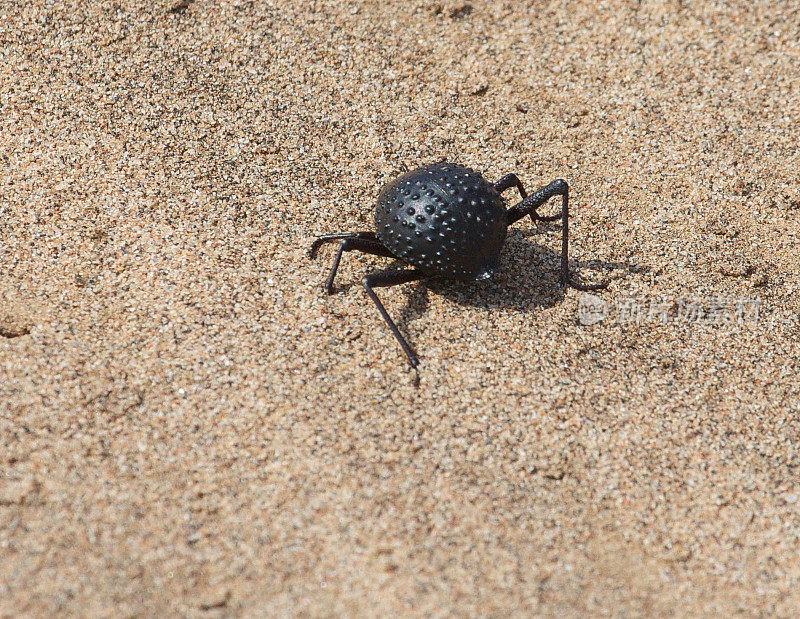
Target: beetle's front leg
[[529, 205], [509, 181]]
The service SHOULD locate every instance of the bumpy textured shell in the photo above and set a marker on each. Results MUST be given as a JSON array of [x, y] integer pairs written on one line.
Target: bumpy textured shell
[[445, 219]]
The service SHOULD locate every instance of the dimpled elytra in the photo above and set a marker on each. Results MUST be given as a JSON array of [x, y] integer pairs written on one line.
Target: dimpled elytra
[[446, 220]]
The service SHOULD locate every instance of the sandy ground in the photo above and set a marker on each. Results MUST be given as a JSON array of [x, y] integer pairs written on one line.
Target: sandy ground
[[189, 425]]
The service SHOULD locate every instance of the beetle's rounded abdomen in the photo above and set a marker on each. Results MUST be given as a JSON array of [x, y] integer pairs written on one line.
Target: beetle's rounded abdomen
[[445, 219]]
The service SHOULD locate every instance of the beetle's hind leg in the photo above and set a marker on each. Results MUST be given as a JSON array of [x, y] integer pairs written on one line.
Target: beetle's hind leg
[[392, 277], [366, 242], [339, 236], [529, 205]]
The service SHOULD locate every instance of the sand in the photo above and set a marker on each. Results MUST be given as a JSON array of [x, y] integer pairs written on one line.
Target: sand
[[189, 425]]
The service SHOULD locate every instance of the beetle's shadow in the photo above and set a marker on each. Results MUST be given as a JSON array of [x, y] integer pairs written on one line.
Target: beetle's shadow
[[528, 279]]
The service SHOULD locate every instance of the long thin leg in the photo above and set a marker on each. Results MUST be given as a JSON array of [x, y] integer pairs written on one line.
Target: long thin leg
[[529, 205], [366, 245], [508, 181], [339, 236], [392, 278]]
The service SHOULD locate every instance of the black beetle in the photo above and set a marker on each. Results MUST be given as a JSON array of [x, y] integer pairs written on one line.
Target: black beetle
[[446, 219]]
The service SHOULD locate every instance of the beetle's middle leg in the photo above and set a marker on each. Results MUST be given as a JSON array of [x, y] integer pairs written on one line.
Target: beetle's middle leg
[[392, 278], [360, 241], [529, 205]]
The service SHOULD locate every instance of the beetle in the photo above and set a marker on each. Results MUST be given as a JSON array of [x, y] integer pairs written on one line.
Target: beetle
[[447, 220]]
